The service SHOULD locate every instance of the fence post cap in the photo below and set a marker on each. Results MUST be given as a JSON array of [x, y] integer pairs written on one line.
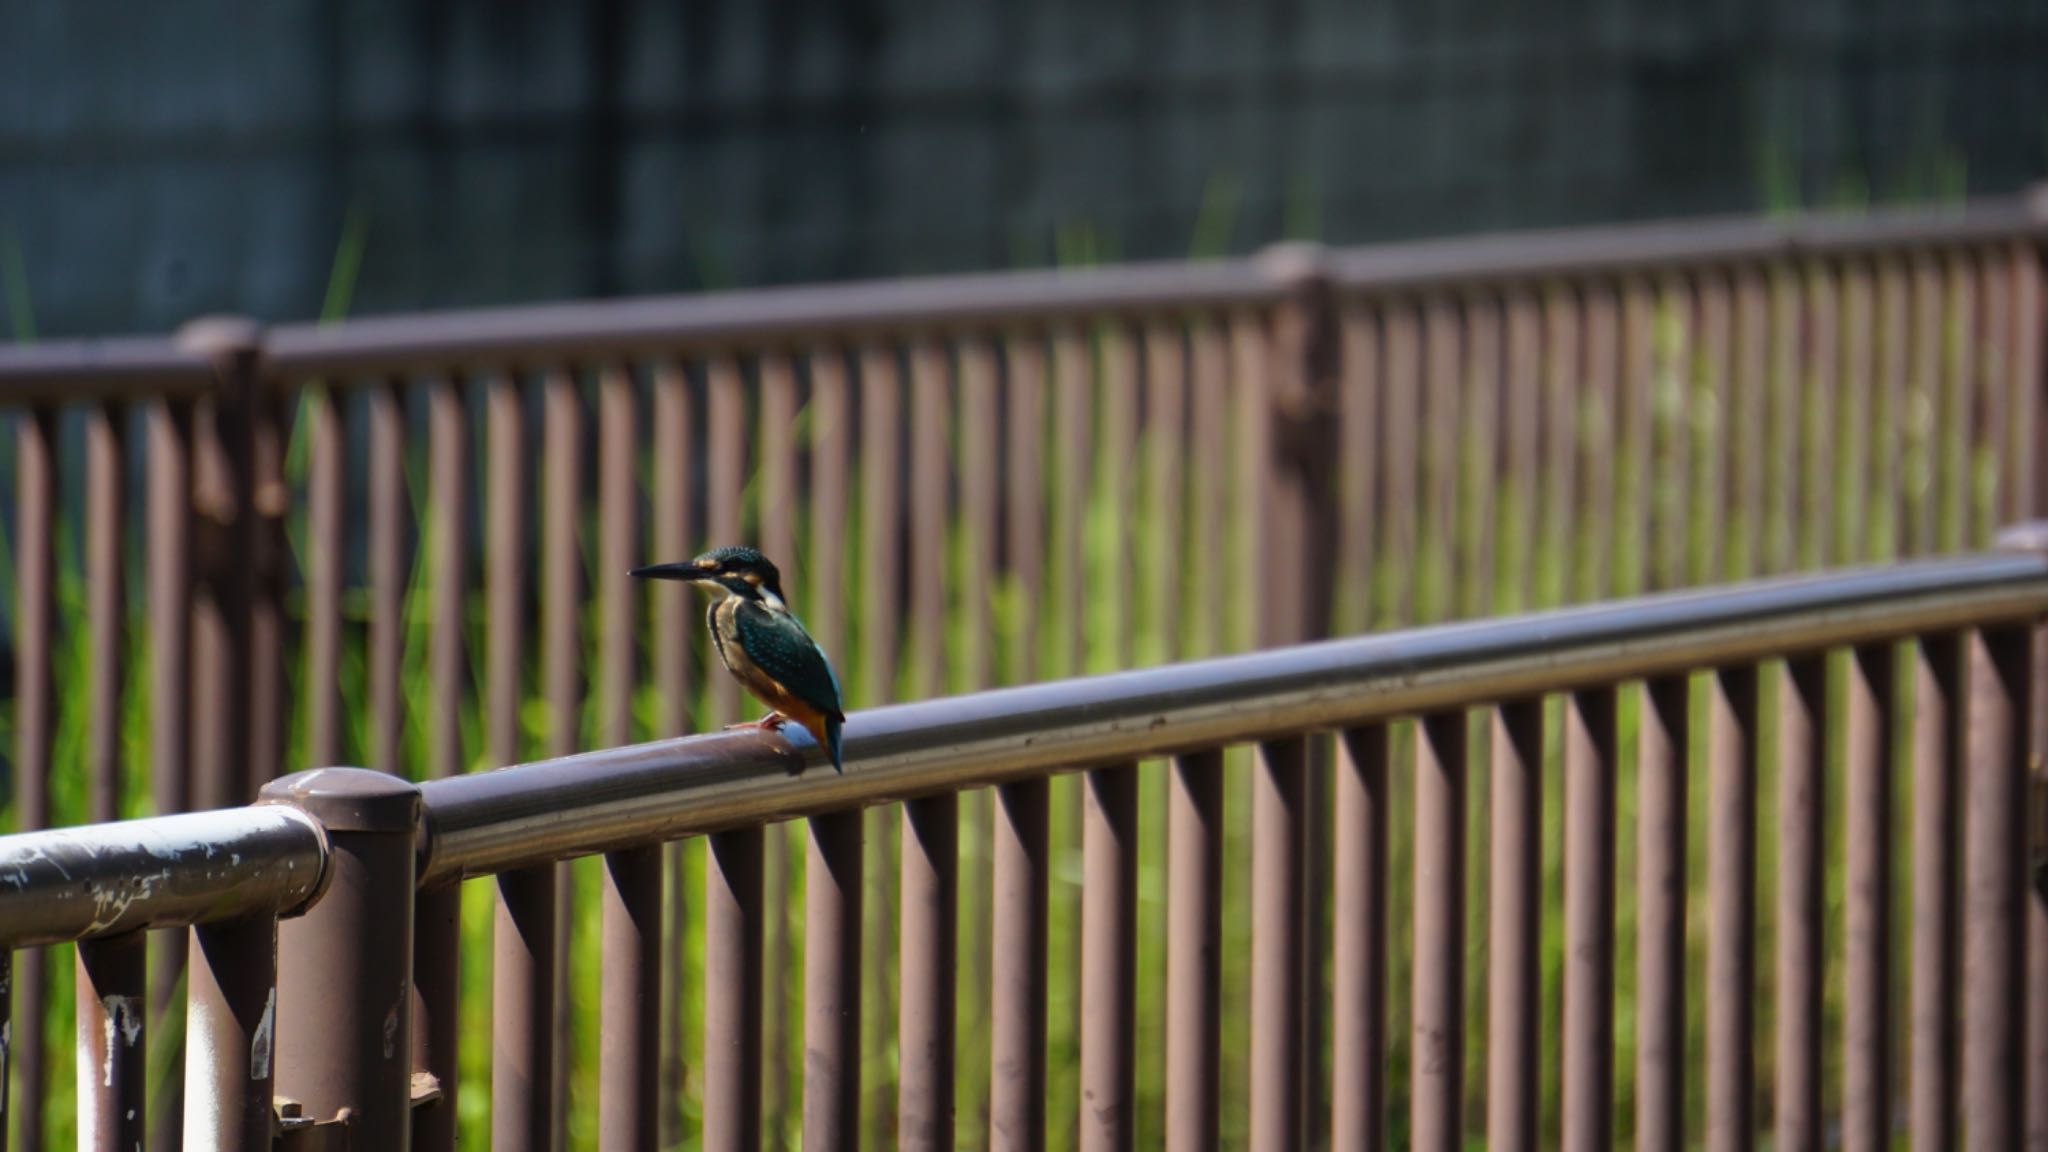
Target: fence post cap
[[218, 336], [1294, 262], [2025, 536], [349, 799]]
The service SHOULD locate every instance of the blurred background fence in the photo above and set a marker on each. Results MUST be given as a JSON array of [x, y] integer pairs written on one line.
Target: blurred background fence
[[402, 542]]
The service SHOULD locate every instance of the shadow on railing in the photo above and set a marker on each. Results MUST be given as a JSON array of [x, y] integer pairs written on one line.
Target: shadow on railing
[[353, 1027]]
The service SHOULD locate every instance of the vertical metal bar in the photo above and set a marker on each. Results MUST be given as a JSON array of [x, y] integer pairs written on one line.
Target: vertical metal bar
[[1890, 462], [1817, 383], [384, 409], [1590, 772], [562, 562], [1442, 335], [448, 487], [1250, 454], [1990, 390], [1664, 729], [1561, 367], [1747, 402], [1731, 908], [832, 923], [223, 471], [776, 530], [777, 469], [1515, 854], [523, 1011], [1279, 905], [1672, 472], [734, 991], [34, 713], [930, 928], [1855, 424], [1522, 401], [1600, 417], [1436, 1077], [1073, 432], [1954, 441], [1118, 382], [1209, 521], [1166, 384], [325, 524], [930, 419], [980, 519], [1994, 888], [880, 637], [619, 511], [1867, 943], [629, 1056], [832, 432], [436, 1011], [2029, 482], [1194, 942], [344, 986], [267, 560], [1109, 950], [725, 476], [1017, 1067], [1925, 463], [1359, 461], [506, 585], [1403, 376], [437, 933], [1802, 761], [169, 506], [673, 607], [1639, 398], [562, 579], [881, 521], [1025, 418], [105, 569], [231, 1035], [1709, 371], [669, 540], [1358, 1070], [111, 1048], [1939, 747]]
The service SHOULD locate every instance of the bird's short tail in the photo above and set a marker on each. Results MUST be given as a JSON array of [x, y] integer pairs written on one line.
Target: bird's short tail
[[833, 725]]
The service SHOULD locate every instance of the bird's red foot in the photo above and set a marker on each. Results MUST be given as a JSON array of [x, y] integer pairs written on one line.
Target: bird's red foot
[[770, 722]]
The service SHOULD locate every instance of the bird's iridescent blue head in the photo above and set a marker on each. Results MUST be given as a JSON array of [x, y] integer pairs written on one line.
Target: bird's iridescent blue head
[[738, 570]]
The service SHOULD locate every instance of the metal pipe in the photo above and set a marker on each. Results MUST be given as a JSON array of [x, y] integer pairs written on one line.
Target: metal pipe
[[732, 974], [927, 953], [604, 801], [1661, 780], [1279, 861], [102, 880], [1994, 855], [629, 1052], [1194, 952], [1436, 1082], [1731, 910], [832, 891], [1591, 768], [1938, 751], [1802, 799], [1867, 935]]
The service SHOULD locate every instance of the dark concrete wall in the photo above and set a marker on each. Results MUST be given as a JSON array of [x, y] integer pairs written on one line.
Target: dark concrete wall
[[160, 160]]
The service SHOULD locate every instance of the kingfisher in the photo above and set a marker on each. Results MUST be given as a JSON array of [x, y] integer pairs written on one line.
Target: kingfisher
[[763, 644]]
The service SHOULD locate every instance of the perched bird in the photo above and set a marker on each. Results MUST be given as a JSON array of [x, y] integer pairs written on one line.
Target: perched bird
[[762, 642]]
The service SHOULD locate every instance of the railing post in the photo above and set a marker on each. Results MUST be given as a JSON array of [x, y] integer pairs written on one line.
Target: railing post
[[345, 968], [238, 504], [2032, 536], [1297, 543]]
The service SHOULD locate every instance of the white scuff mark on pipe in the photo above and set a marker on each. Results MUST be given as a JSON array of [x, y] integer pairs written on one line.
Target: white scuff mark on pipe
[[259, 1043]]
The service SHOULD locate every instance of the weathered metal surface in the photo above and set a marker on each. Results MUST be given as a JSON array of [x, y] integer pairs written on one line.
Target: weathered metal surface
[[603, 801]]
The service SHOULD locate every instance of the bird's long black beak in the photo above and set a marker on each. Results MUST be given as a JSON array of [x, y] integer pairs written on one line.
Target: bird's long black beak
[[686, 570]]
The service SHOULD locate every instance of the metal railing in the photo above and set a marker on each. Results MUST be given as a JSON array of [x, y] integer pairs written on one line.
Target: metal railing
[[981, 480], [358, 1048]]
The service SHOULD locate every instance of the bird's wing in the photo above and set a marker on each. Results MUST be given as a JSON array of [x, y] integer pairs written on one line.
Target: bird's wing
[[777, 643]]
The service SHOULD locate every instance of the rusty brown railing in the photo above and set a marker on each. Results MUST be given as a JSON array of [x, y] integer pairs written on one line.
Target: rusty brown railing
[[343, 851], [1422, 432]]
